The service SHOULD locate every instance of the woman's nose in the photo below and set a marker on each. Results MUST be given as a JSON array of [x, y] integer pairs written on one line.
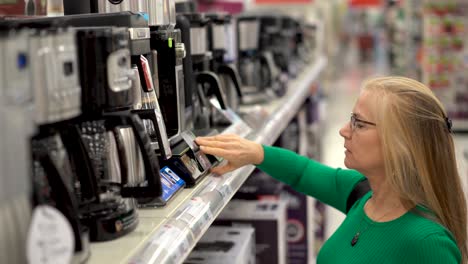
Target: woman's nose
[[345, 131]]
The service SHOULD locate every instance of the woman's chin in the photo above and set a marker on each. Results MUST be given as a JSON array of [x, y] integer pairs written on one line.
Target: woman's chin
[[347, 163]]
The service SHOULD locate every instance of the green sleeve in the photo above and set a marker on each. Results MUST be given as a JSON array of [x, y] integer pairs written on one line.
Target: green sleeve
[[434, 249], [329, 185]]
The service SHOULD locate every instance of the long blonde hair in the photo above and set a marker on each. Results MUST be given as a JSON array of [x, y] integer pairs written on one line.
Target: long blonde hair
[[419, 151]]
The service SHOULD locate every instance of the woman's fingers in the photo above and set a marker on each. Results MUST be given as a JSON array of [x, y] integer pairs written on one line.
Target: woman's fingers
[[215, 151], [217, 144], [222, 138], [211, 138]]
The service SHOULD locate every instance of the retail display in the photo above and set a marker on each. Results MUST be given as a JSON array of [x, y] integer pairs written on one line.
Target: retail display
[[230, 245], [109, 127], [403, 24], [444, 63]]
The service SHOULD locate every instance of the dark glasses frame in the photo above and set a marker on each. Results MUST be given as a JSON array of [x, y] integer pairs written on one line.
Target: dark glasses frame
[[354, 119]]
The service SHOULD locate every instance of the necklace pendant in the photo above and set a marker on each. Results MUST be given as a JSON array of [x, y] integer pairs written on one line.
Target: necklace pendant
[[355, 239]]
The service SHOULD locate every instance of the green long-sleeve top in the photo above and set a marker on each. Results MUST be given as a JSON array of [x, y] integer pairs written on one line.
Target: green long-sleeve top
[[410, 238]]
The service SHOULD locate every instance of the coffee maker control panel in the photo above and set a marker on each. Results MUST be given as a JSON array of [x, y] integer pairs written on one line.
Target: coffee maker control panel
[[119, 72], [188, 161]]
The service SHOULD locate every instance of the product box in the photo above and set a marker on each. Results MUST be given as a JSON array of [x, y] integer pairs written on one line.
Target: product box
[[226, 245], [300, 247], [268, 218], [260, 186]]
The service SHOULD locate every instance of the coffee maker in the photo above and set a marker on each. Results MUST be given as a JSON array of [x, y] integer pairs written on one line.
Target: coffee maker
[[256, 67], [169, 51], [293, 33], [54, 98], [144, 61], [175, 98], [131, 14], [15, 163], [219, 41], [15, 192], [209, 95], [119, 145], [282, 42]]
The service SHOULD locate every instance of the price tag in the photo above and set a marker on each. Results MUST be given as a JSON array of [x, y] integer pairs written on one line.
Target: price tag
[[197, 207], [211, 185], [166, 236], [225, 190], [196, 214], [50, 238]]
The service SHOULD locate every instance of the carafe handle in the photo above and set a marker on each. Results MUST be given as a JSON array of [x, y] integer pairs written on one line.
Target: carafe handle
[[161, 134], [150, 160], [232, 72], [65, 201], [215, 86]]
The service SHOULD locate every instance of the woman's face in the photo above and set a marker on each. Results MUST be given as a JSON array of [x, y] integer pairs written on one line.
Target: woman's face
[[362, 143]]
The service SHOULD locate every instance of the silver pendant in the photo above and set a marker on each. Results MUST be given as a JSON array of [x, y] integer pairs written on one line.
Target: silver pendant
[[355, 239]]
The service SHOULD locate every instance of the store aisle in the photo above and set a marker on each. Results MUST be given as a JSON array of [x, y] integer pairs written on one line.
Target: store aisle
[[342, 93]]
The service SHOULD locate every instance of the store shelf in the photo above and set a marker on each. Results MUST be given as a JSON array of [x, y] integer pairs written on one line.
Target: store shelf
[[167, 235]]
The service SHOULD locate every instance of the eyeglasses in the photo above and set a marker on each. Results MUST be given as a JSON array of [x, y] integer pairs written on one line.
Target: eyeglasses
[[357, 123]]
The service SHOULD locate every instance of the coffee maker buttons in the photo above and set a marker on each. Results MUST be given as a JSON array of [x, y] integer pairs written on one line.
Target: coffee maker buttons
[[119, 72], [180, 50]]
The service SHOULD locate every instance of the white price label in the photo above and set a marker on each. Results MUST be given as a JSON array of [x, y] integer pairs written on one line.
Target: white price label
[[225, 190], [211, 185], [197, 208], [166, 236], [196, 214], [50, 238]]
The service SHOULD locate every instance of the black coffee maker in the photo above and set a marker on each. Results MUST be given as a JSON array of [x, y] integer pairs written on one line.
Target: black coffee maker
[[209, 95], [293, 39], [108, 80], [43, 65], [167, 52], [134, 16], [144, 61], [250, 62], [280, 36], [115, 137], [220, 42], [187, 161]]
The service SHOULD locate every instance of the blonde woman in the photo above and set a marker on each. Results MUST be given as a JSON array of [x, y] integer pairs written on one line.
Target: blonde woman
[[399, 142]]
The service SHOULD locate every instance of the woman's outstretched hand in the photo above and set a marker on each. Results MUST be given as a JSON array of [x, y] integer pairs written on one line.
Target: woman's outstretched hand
[[235, 150]]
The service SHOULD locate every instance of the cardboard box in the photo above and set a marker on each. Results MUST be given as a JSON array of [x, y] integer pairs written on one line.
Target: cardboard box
[[298, 226], [268, 218], [226, 245]]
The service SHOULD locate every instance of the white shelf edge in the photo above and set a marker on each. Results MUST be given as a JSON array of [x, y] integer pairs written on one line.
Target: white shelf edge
[[152, 220]]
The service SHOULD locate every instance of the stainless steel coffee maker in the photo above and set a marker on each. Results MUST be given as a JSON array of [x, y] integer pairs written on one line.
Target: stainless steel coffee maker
[[15, 157], [53, 98]]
